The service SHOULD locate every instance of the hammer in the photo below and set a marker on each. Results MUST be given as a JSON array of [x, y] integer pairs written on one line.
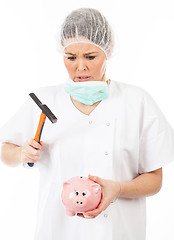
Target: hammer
[[46, 112]]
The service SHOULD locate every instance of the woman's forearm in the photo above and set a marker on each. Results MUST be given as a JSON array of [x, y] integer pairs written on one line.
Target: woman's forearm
[[11, 154], [144, 185], [29, 152]]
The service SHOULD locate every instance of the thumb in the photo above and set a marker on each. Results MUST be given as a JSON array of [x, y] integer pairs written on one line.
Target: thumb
[[96, 179], [41, 143]]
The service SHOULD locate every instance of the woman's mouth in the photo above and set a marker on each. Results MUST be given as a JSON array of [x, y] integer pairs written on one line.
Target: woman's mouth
[[83, 78]]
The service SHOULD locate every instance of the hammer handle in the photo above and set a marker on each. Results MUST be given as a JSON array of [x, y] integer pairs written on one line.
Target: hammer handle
[[40, 127], [39, 132]]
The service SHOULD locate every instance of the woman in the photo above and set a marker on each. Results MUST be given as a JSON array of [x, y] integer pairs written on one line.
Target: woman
[[111, 130]]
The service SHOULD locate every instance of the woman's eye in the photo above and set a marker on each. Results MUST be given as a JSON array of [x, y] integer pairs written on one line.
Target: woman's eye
[[72, 58], [90, 57]]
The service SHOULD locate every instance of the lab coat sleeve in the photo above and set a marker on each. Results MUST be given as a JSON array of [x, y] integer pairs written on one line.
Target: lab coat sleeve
[[157, 138], [20, 127]]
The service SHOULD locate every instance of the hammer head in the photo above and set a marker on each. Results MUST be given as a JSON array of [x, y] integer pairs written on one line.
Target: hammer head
[[44, 108]]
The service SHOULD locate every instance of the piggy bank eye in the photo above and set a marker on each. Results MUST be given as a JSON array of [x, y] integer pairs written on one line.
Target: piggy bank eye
[[83, 193], [77, 193]]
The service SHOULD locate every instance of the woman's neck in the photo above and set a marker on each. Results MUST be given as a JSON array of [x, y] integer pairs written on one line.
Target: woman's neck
[[85, 108]]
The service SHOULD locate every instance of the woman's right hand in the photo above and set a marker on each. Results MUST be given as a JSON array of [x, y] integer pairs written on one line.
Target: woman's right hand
[[30, 151]]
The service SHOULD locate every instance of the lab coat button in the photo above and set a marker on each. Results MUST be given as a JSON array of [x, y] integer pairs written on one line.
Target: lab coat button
[[105, 215], [106, 153], [107, 124], [90, 122]]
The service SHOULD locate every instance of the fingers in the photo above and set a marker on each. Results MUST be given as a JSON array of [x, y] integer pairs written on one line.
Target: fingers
[[41, 143], [102, 207], [34, 144], [96, 179], [30, 151], [110, 190], [84, 216], [80, 215], [92, 214]]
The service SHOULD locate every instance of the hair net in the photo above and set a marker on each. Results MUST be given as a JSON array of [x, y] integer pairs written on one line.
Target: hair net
[[87, 25]]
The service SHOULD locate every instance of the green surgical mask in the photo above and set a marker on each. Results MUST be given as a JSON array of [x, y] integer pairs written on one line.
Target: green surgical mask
[[88, 92]]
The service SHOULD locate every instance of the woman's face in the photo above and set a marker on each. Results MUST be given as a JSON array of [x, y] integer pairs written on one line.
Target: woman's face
[[85, 62]]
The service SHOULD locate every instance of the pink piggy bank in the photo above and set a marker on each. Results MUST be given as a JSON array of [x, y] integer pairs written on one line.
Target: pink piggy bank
[[80, 194]]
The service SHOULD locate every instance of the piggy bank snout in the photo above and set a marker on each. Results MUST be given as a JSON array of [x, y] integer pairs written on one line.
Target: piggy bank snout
[[81, 201]]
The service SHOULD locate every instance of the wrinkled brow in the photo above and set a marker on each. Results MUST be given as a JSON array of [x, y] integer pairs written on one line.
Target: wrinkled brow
[[84, 53]]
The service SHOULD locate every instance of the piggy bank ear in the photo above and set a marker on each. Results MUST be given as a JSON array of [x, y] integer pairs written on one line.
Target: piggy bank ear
[[66, 184], [96, 188]]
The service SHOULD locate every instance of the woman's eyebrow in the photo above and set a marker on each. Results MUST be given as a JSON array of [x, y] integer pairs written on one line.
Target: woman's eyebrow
[[71, 53], [90, 53]]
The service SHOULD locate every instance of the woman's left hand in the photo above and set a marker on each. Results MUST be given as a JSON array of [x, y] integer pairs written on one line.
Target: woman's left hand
[[110, 191]]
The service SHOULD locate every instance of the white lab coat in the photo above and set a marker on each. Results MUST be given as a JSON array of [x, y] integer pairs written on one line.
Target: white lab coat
[[124, 136]]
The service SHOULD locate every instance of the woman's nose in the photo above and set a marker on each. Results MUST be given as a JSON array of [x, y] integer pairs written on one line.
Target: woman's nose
[[81, 66]]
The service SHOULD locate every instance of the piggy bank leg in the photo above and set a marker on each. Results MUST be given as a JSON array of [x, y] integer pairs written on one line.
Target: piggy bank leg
[[70, 213]]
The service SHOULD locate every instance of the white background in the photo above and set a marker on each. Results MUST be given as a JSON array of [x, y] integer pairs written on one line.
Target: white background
[[29, 58]]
